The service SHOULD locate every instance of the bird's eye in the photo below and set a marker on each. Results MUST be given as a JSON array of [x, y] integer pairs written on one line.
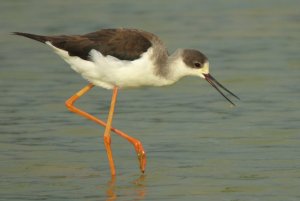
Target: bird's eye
[[197, 65]]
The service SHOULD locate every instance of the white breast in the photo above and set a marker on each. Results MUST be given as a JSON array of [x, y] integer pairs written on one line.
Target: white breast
[[108, 71]]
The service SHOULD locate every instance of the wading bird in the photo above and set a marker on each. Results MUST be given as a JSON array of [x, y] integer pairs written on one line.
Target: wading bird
[[124, 58]]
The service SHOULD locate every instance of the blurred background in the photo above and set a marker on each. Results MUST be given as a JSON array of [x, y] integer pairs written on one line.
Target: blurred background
[[198, 146]]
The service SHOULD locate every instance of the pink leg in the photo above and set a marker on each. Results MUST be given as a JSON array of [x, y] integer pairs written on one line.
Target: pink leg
[[107, 139], [136, 143]]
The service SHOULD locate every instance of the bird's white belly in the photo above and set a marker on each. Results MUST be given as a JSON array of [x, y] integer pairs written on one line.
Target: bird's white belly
[[108, 71]]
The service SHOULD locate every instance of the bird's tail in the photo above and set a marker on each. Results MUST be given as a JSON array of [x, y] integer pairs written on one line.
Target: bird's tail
[[39, 38]]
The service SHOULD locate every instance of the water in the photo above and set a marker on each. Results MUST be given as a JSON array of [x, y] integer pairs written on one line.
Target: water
[[199, 148]]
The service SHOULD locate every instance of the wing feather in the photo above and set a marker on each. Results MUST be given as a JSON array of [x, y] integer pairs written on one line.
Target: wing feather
[[125, 44]]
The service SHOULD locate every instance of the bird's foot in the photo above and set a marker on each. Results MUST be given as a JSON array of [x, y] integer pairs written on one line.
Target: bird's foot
[[141, 154]]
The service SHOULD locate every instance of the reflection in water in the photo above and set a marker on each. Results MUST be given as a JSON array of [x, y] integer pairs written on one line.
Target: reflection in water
[[250, 152], [140, 187], [137, 192], [110, 192]]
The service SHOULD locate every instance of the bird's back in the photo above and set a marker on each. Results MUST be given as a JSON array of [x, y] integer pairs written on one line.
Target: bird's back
[[124, 57], [124, 44]]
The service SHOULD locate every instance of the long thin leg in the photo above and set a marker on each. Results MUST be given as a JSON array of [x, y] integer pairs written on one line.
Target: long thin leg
[[107, 138], [136, 143]]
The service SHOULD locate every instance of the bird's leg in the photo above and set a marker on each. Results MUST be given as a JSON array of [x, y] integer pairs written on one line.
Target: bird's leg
[[136, 143], [107, 138]]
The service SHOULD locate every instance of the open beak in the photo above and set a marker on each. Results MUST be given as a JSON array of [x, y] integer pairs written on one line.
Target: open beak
[[213, 82]]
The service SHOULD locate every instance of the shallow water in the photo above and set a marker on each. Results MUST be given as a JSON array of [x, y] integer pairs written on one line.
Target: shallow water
[[198, 146]]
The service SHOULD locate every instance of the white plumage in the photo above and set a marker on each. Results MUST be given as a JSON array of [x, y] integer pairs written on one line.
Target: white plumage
[[122, 58], [108, 71]]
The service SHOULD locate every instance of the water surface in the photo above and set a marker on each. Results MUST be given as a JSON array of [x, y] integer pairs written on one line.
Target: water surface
[[198, 146]]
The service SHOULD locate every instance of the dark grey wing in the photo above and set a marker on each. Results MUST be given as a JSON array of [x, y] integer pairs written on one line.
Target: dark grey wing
[[125, 44]]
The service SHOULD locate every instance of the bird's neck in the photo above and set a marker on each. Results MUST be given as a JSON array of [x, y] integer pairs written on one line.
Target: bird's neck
[[174, 66]]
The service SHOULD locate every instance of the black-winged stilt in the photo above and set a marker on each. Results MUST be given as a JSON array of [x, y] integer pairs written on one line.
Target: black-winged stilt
[[124, 58]]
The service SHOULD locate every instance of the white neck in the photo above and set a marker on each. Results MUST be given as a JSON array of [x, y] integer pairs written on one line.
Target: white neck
[[176, 67]]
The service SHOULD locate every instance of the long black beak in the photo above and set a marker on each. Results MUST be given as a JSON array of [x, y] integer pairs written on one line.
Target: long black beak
[[213, 82]]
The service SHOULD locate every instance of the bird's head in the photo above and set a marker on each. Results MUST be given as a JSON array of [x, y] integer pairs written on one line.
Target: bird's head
[[196, 63]]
